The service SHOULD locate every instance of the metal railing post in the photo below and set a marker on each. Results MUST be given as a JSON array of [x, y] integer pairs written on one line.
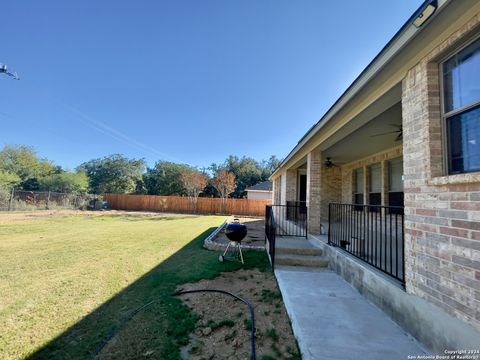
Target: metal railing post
[[329, 222]]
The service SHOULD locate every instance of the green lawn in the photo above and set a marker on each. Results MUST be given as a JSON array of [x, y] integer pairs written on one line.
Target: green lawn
[[65, 283]]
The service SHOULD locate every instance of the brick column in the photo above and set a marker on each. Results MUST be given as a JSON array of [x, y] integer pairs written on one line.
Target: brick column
[[276, 191], [314, 168], [283, 188], [291, 185]]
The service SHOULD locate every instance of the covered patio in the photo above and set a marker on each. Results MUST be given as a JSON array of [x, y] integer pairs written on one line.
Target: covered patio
[[349, 188]]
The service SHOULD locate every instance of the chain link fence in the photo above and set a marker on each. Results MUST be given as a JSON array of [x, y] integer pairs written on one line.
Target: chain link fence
[[21, 200]]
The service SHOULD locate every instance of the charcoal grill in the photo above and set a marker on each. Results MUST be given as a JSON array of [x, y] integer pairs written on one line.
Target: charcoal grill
[[235, 232]]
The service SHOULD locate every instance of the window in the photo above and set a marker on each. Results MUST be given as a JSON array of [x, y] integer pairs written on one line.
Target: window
[[395, 188], [358, 195], [375, 195], [461, 109]]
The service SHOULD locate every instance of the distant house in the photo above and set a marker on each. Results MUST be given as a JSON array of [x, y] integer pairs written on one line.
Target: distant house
[[261, 191]]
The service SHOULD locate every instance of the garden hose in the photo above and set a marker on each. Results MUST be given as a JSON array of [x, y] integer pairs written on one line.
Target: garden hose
[[137, 310]]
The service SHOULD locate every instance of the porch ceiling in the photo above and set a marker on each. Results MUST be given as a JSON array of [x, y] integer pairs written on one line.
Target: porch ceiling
[[360, 143]]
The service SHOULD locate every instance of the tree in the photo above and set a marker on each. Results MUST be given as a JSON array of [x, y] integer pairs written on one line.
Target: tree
[[23, 162], [248, 171], [7, 180], [226, 183], [66, 182], [165, 179], [193, 182], [113, 174], [269, 166]]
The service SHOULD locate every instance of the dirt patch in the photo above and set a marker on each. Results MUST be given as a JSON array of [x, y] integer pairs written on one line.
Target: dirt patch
[[18, 217], [223, 327], [255, 232]]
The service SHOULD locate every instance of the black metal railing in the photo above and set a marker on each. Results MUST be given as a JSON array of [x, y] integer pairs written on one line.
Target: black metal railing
[[372, 233], [291, 219], [270, 233], [296, 211]]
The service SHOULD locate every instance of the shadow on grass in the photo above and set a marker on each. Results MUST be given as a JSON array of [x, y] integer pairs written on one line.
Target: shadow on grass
[[159, 330], [143, 218]]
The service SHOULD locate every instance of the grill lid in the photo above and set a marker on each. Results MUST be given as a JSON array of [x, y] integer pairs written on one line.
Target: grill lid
[[236, 231]]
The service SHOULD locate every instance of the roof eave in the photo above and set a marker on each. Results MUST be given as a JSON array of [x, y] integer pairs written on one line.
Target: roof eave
[[406, 34]]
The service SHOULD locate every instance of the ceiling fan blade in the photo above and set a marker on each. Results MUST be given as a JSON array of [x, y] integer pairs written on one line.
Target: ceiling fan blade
[[399, 137], [386, 133]]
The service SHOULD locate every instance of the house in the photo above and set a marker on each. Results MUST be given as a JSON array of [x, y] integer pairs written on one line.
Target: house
[[387, 182], [261, 191]]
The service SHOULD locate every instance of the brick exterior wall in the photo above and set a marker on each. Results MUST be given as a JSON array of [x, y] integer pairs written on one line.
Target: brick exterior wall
[[347, 170], [442, 213]]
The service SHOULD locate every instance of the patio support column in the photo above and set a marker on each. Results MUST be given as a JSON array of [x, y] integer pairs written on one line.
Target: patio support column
[[291, 185], [283, 188], [314, 168], [276, 187]]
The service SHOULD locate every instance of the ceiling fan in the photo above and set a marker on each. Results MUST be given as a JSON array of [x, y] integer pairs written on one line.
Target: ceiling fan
[[399, 131], [329, 163]]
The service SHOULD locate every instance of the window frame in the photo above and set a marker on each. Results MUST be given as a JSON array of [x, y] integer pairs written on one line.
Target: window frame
[[444, 116], [371, 194], [391, 193], [359, 206]]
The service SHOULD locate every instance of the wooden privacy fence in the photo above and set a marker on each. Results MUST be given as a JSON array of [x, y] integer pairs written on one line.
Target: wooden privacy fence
[[178, 204]]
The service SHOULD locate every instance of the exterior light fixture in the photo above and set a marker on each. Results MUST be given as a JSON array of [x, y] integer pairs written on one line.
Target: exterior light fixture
[[425, 14]]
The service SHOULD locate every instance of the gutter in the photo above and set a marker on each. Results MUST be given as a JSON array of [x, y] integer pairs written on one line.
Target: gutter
[[403, 36]]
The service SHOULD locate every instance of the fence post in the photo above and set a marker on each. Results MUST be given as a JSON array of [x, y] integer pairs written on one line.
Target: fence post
[[10, 202], [48, 201]]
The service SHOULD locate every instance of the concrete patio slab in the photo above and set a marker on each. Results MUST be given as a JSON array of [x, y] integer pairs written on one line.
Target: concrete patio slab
[[331, 320]]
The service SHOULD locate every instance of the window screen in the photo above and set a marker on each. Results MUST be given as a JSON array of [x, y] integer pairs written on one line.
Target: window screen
[[375, 178], [358, 196], [396, 174], [359, 181]]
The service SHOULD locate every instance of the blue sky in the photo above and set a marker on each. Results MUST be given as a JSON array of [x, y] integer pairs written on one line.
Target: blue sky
[[187, 81]]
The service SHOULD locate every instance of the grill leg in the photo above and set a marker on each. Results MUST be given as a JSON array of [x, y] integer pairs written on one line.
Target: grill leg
[[240, 251], [226, 250]]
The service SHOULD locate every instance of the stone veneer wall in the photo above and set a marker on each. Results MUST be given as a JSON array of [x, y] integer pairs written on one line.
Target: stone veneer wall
[[442, 213]]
